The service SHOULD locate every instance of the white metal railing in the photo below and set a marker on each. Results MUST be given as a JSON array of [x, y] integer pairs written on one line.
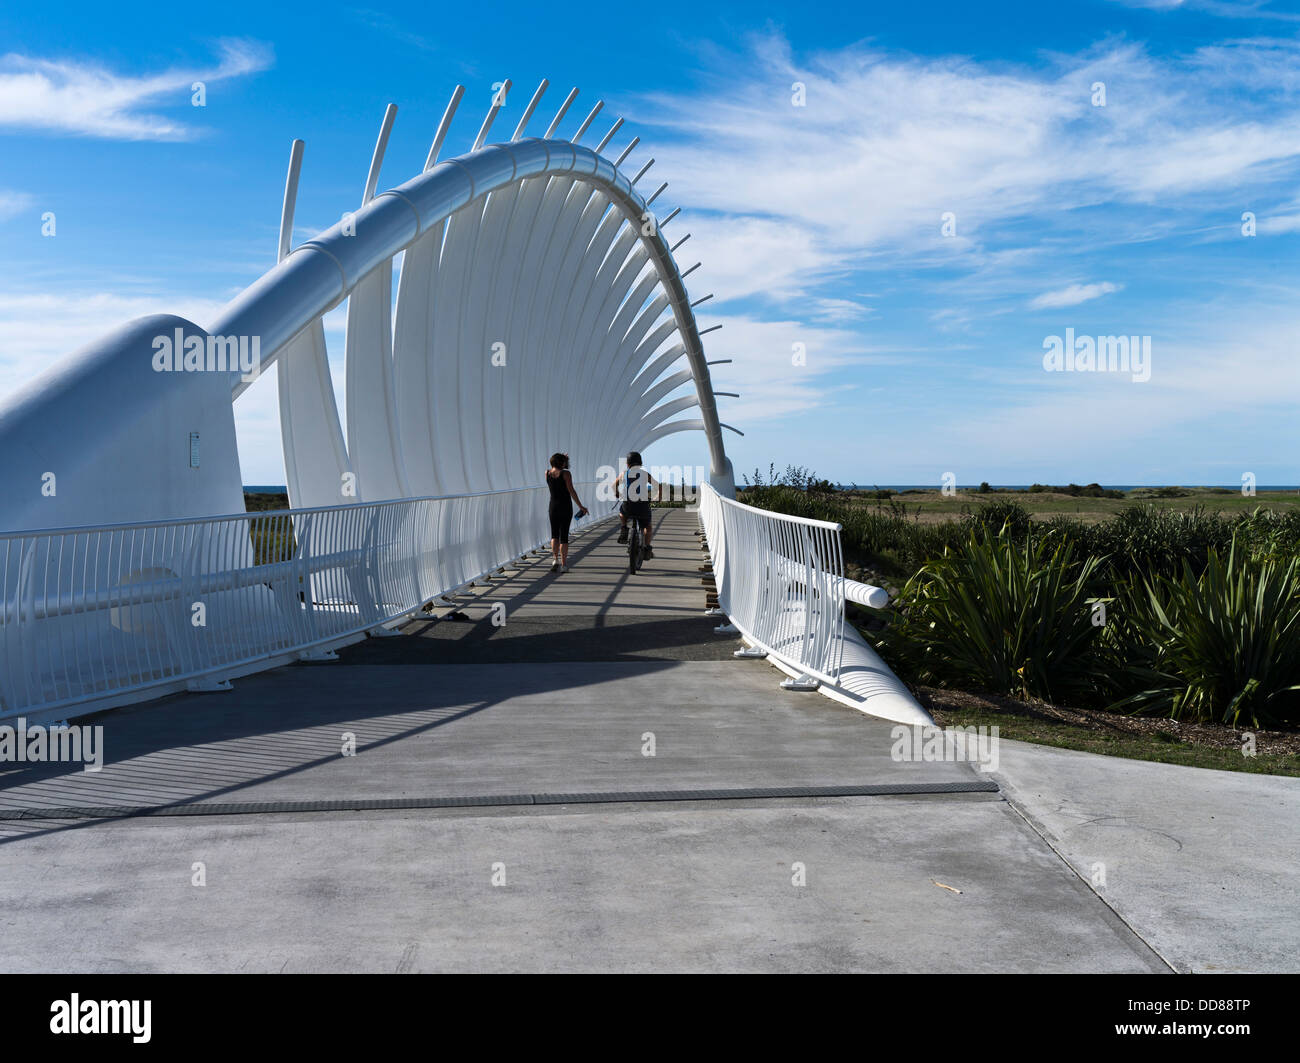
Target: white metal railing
[[99, 616], [780, 580]]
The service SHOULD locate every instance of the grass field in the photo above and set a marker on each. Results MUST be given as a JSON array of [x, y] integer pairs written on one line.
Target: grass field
[[932, 507]]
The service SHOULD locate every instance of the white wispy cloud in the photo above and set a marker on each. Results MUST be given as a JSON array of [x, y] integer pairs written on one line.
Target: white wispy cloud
[[1073, 295], [84, 98], [37, 329], [887, 143], [1232, 377], [1154, 5], [1277, 224], [1223, 8], [838, 311], [795, 208], [785, 367], [780, 259], [378, 20], [12, 203]]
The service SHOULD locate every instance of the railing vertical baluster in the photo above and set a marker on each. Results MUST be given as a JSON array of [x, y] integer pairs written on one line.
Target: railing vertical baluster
[[780, 580], [88, 613]]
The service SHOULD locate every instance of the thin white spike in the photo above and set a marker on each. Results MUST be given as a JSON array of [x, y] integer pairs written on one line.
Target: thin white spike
[[582, 129], [377, 159], [658, 192], [559, 115], [528, 111], [498, 101], [443, 126], [627, 151], [609, 136], [641, 172], [290, 199]]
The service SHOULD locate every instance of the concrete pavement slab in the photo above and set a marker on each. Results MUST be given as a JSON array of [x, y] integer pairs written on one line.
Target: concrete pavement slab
[[1203, 864], [451, 730], [620, 889]]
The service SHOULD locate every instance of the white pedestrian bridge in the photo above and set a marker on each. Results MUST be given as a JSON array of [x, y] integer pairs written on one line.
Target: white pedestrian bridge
[[539, 307]]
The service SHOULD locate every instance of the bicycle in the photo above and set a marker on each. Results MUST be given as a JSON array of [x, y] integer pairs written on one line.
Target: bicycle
[[635, 551]]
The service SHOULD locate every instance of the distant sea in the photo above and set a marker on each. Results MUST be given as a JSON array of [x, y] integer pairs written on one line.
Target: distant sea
[[272, 489]]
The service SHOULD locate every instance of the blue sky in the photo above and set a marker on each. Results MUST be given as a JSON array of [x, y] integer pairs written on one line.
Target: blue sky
[[819, 225]]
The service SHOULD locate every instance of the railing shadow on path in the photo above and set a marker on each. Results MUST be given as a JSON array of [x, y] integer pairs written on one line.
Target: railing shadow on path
[[275, 746]]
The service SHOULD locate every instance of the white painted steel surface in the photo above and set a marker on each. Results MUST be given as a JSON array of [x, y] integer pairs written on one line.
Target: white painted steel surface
[[866, 594], [781, 582]]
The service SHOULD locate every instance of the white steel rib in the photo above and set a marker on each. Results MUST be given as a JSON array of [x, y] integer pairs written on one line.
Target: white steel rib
[[536, 287]]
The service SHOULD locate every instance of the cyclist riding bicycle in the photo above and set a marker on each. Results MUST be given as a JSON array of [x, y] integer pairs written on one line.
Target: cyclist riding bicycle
[[634, 487]]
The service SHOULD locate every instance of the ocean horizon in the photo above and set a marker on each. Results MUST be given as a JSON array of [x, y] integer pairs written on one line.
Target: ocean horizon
[[272, 489]]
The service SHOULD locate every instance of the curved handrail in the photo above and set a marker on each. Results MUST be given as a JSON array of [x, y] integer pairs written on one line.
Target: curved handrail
[[780, 582], [784, 517], [301, 511]]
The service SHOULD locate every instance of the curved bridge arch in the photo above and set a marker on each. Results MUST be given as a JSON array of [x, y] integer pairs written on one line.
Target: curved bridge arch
[[538, 253]]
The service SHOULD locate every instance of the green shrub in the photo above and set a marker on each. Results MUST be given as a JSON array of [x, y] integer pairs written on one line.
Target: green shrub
[[1160, 492], [799, 477], [1270, 534], [1093, 490], [1001, 513], [1000, 616], [1222, 645], [1148, 540]]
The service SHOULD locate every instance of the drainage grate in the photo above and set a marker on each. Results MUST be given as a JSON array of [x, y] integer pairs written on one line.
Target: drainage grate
[[363, 804]]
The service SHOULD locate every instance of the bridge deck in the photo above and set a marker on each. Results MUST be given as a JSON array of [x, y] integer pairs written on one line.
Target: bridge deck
[[538, 728]]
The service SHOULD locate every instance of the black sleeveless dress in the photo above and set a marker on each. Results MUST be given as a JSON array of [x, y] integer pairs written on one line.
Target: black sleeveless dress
[[561, 509]]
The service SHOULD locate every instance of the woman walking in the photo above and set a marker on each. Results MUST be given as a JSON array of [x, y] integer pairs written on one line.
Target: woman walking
[[560, 482]]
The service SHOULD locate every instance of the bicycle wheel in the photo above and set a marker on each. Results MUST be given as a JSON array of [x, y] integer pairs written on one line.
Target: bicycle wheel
[[633, 548]]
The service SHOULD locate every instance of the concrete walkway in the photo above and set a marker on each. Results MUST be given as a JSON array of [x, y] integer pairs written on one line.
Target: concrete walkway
[[502, 813], [1202, 864]]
